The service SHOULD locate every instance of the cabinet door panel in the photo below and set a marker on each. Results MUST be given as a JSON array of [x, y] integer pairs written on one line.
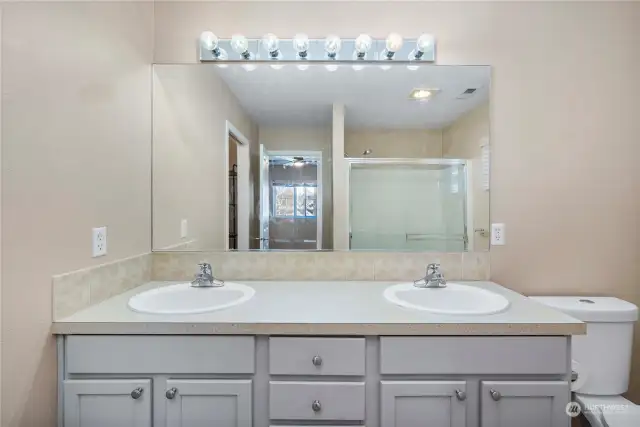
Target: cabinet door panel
[[206, 403], [525, 403], [107, 403], [423, 403]]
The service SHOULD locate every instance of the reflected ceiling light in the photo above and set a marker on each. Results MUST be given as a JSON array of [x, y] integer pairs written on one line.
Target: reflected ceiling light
[[421, 94], [209, 41], [270, 43], [367, 152], [392, 45], [331, 67], [362, 46], [332, 45], [425, 42], [240, 44], [249, 67], [302, 67], [301, 45]]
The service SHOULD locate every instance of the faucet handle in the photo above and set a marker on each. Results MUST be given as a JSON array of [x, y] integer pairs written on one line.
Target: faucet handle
[[205, 268], [433, 268]]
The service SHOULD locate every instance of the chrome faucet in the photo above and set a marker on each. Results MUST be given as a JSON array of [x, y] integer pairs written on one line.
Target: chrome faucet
[[205, 279], [433, 279]]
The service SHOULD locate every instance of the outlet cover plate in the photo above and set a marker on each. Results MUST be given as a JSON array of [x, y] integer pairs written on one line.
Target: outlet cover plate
[[99, 241], [498, 237]]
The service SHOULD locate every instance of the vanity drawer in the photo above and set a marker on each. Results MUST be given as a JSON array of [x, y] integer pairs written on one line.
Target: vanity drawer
[[474, 355], [316, 356], [334, 401], [144, 354]]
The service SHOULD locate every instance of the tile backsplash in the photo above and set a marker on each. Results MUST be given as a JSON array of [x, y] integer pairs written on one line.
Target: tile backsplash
[[80, 289], [320, 265]]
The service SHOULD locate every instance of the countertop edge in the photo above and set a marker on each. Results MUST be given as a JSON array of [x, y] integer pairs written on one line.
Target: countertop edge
[[344, 329]]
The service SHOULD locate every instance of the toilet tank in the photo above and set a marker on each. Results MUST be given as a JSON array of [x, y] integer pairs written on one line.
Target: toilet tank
[[602, 357]]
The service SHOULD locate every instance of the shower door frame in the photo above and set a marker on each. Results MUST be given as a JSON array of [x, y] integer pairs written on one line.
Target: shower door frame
[[468, 213]]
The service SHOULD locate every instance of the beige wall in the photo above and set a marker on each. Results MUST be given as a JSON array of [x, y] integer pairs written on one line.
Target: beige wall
[[76, 141], [191, 107], [463, 140], [563, 91], [308, 139], [401, 143]]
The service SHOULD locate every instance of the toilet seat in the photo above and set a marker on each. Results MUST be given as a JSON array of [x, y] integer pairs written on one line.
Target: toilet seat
[[609, 411]]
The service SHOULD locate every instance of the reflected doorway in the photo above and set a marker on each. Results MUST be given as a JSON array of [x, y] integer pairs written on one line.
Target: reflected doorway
[[291, 200]]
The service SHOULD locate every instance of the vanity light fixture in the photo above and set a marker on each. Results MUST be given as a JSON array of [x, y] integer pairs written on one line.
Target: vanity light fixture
[[425, 42], [392, 45], [301, 46], [332, 45], [209, 41], [270, 42], [302, 51], [362, 47], [240, 44]]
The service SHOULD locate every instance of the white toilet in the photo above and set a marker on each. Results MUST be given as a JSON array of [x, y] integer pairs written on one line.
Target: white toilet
[[601, 358]]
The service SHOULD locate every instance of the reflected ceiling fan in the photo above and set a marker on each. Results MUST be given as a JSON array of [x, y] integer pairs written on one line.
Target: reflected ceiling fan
[[298, 162]]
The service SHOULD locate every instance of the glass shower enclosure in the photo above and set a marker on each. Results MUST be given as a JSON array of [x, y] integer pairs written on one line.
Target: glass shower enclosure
[[408, 205]]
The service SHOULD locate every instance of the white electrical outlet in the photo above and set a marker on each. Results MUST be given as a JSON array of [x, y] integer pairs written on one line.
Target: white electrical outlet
[[498, 236], [99, 241], [184, 228]]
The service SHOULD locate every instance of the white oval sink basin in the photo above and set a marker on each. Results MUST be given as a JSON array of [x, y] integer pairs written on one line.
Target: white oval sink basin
[[186, 299], [453, 299]]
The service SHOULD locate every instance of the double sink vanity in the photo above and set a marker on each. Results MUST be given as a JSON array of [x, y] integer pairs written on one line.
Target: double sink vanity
[[316, 353]]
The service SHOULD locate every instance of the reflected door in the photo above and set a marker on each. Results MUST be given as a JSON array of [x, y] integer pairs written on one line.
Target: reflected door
[[264, 198]]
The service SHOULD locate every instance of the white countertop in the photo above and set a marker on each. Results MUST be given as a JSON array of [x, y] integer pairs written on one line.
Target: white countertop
[[321, 308]]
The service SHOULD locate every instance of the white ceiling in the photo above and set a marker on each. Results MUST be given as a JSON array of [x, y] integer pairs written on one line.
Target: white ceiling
[[373, 97]]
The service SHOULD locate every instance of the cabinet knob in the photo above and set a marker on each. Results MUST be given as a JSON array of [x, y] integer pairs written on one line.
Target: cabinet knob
[[136, 393], [495, 395], [461, 395], [316, 406], [171, 393], [317, 360]]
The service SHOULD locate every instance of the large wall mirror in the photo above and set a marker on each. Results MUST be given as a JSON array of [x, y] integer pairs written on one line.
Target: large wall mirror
[[321, 157]]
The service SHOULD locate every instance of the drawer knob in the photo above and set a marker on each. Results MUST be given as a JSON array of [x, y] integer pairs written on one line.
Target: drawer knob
[[136, 393], [316, 406], [461, 395], [317, 360], [171, 393], [495, 395]]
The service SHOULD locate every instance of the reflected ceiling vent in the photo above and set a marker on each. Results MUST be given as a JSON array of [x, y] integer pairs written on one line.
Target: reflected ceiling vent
[[467, 93]]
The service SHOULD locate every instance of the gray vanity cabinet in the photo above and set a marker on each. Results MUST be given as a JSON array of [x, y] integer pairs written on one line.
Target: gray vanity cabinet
[[524, 403], [420, 403], [107, 403], [203, 403]]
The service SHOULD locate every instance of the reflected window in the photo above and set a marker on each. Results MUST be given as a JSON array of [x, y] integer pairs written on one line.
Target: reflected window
[[294, 201]]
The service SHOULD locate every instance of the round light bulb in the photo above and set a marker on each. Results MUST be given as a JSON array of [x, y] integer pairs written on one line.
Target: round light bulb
[[332, 45], [270, 42], [208, 40], [239, 43], [300, 42], [425, 42], [394, 42], [363, 43]]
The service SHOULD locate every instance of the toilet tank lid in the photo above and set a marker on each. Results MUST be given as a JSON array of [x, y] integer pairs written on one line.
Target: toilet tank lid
[[593, 309]]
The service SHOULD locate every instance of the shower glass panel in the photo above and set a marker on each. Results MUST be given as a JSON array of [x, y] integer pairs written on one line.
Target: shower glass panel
[[409, 206]]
